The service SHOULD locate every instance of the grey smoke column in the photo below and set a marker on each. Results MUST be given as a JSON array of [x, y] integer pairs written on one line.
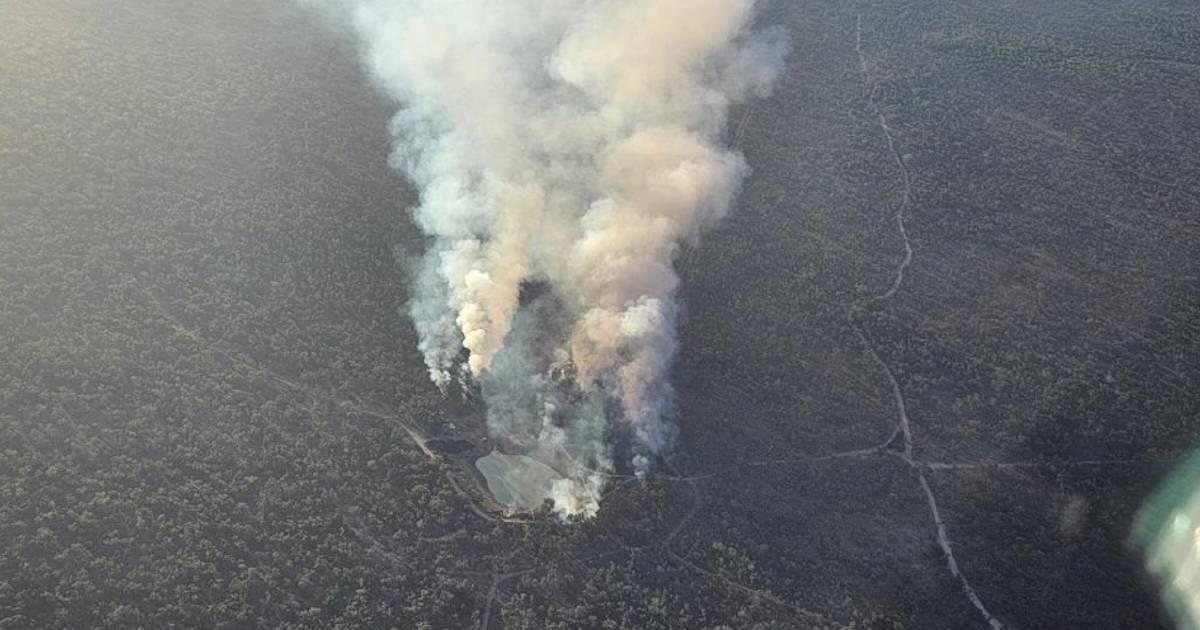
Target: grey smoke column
[[572, 144]]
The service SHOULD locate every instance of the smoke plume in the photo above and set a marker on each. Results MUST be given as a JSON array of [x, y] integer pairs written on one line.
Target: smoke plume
[[565, 150]]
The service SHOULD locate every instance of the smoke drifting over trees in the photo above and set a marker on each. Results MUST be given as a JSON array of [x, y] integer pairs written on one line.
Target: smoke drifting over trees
[[565, 151]]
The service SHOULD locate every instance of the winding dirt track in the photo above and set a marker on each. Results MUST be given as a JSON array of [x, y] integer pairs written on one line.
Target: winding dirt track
[[902, 421]]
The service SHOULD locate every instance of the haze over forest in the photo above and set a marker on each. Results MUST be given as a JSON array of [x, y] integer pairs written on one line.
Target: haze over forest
[[929, 363]]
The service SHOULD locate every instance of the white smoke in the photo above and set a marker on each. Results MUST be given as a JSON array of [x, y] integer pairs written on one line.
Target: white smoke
[[572, 145]]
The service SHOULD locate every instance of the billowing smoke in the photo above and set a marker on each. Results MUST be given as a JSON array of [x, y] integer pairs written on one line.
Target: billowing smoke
[[565, 151]]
